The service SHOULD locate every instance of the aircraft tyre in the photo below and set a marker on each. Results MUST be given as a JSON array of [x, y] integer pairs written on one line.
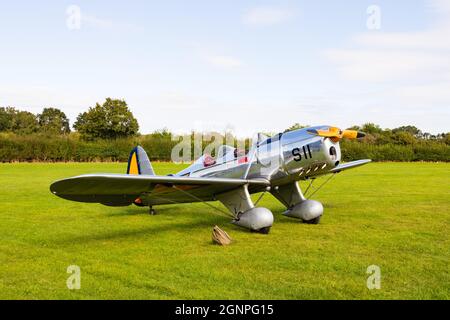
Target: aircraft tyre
[[313, 221]]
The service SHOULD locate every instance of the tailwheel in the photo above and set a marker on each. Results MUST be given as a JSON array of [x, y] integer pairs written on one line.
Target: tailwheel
[[152, 211], [313, 221]]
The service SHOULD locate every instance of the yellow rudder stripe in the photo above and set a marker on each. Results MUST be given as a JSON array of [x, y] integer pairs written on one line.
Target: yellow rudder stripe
[[134, 168]]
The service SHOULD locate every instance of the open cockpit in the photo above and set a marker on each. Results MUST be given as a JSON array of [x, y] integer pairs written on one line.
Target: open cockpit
[[225, 154]]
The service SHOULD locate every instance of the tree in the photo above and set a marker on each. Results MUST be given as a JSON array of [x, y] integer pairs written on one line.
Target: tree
[[24, 122], [410, 129], [6, 118], [20, 122], [404, 138], [371, 128], [295, 126], [53, 121], [162, 133], [110, 120], [446, 138], [354, 127]]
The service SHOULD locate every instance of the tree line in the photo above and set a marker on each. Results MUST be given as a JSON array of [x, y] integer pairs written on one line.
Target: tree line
[[108, 131]]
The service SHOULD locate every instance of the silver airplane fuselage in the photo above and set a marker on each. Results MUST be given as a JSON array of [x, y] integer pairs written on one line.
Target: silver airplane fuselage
[[281, 159]]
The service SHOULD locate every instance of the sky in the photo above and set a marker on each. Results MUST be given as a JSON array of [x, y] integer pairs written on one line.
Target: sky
[[244, 66]]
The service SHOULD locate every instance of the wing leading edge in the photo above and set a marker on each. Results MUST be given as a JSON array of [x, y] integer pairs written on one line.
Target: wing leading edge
[[350, 165]]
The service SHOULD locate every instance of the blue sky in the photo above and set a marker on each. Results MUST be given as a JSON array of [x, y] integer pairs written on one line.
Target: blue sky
[[243, 65]]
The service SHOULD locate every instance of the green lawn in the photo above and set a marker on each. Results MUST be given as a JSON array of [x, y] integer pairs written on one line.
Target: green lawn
[[394, 215]]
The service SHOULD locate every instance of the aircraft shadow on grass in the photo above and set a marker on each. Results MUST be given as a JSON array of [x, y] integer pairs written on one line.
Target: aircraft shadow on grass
[[204, 222], [141, 232]]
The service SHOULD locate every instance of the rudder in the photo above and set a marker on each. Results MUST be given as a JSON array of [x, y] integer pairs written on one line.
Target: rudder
[[139, 163]]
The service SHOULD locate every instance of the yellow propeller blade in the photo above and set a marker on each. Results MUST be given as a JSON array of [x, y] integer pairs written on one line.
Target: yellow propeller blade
[[353, 134], [337, 134]]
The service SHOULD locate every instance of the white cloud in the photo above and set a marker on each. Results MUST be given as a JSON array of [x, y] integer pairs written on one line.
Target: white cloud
[[225, 62], [93, 21], [412, 68], [427, 40], [435, 94], [96, 22], [179, 101], [441, 7], [387, 56], [261, 16], [378, 65]]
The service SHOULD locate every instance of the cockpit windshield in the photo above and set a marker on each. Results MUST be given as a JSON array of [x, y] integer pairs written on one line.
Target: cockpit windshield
[[274, 138]]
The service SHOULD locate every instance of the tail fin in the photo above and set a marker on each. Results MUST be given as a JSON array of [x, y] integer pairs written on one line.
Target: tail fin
[[138, 162]]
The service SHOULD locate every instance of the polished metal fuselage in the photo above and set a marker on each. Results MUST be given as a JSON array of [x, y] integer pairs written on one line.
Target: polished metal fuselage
[[281, 159]]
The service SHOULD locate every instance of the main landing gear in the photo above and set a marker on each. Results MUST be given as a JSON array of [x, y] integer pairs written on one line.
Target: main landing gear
[[239, 203], [309, 211]]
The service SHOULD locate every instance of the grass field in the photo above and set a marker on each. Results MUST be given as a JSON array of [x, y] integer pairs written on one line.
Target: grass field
[[394, 215]]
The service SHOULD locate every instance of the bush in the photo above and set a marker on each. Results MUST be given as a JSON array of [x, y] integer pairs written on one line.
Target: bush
[[426, 151], [44, 147]]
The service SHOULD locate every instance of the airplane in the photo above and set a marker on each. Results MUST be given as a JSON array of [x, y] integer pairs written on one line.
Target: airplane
[[273, 164]]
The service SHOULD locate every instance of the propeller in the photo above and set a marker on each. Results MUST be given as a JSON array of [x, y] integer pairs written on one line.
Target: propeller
[[336, 134]]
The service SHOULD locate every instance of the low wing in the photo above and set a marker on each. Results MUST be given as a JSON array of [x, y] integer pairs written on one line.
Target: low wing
[[124, 189], [339, 168], [350, 165]]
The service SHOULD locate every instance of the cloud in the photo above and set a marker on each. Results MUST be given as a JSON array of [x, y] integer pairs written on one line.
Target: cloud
[[179, 101], [262, 16], [415, 64], [435, 94], [95, 22], [387, 56], [378, 65], [405, 75], [224, 62], [78, 19]]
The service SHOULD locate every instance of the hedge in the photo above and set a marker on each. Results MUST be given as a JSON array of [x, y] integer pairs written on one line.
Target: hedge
[[70, 148]]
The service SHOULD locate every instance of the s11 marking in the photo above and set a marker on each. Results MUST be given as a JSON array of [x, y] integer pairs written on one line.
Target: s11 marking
[[297, 153]]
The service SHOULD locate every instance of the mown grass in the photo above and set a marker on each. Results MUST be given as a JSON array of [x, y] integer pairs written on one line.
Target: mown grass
[[394, 215]]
